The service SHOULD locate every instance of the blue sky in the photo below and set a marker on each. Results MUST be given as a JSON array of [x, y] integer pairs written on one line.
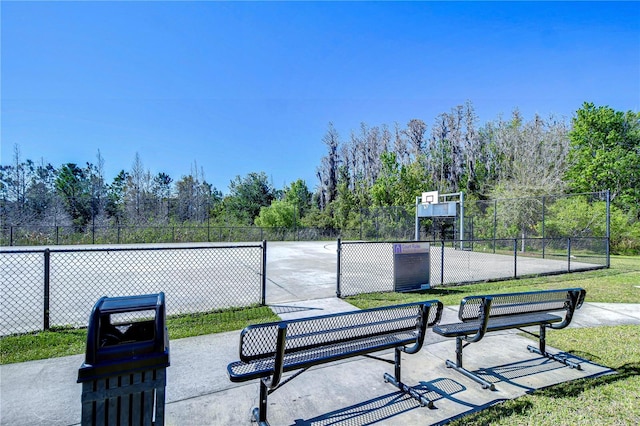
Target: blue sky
[[250, 87]]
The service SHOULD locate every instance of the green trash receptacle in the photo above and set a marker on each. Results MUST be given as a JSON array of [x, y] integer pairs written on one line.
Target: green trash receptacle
[[124, 373]]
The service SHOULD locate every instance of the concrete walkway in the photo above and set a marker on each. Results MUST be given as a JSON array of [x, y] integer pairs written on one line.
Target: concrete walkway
[[351, 392]]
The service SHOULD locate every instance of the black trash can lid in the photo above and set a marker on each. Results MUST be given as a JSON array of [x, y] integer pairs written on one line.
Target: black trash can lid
[[146, 343]]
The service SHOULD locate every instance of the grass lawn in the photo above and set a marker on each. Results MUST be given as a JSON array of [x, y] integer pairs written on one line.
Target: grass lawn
[[55, 343], [607, 400], [614, 285]]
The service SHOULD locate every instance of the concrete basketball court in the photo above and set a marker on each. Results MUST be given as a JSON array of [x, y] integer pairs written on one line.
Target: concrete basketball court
[[308, 270]]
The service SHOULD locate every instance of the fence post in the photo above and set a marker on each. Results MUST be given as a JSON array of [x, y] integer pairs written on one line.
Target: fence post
[[569, 254], [608, 231], [264, 273], [515, 258], [11, 235], [57, 235], [47, 269], [543, 230], [442, 263], [495, 223], [339, 250]]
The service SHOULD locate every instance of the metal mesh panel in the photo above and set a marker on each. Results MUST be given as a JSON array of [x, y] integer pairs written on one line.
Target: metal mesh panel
[[21, 292], [308, 333], [516, 303], [559, 216], [479, 261], [483, 260], [299, 359], [586, 252], [197, 279], [365, 268]]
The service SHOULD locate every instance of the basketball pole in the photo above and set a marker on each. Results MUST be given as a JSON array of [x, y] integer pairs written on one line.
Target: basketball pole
[[418, 199], [461, 220]]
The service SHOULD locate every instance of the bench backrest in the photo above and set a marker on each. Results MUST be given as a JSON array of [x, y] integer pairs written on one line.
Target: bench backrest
[[260, 340], [522, 303]]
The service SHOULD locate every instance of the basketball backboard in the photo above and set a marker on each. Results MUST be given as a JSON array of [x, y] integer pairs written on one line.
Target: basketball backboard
[[430, 197]]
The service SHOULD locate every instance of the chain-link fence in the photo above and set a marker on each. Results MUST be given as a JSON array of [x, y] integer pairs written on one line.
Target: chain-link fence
[[32, 235], [552, 216], [368, 267], [364, 267], [49, 288]]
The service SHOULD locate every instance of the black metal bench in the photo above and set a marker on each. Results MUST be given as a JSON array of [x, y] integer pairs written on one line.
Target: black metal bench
[[269, 350], [482, 314]]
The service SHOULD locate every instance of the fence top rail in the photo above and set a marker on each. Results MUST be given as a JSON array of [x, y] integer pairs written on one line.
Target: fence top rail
[[108, 249], [383, 242], [486, 240]]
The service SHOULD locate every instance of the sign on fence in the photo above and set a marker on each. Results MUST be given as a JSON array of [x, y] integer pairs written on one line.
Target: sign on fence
[[411, 266]]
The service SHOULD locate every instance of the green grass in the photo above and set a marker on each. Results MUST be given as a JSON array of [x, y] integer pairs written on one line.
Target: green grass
[[42, 345], [614, 285], [607, 400], [62, 342]]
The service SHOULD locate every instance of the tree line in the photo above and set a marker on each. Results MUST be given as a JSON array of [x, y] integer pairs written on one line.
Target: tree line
[[379, 165]]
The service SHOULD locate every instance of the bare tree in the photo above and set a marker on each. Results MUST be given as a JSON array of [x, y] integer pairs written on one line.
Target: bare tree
[[534, 153], [400, 145], [439, 151], [138, 186], [415, 131], [328, 171]]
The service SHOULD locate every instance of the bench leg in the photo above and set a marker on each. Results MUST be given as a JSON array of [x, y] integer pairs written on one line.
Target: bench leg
[[260, 412], [459, 368], [397, 382], [542, 351]]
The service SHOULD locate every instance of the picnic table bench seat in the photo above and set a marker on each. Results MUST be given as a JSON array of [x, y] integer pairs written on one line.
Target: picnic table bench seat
[[267, 351], [479, 315]]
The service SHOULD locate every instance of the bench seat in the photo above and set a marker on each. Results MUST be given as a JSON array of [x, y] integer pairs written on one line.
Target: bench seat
[[241, 371], [495, 324]]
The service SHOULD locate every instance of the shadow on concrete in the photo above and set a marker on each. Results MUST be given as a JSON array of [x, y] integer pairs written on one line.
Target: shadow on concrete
[[507, 373], [287, 309], [387, 406]]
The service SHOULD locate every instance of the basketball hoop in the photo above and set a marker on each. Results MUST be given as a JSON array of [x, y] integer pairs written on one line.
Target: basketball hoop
[[430, 197]]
